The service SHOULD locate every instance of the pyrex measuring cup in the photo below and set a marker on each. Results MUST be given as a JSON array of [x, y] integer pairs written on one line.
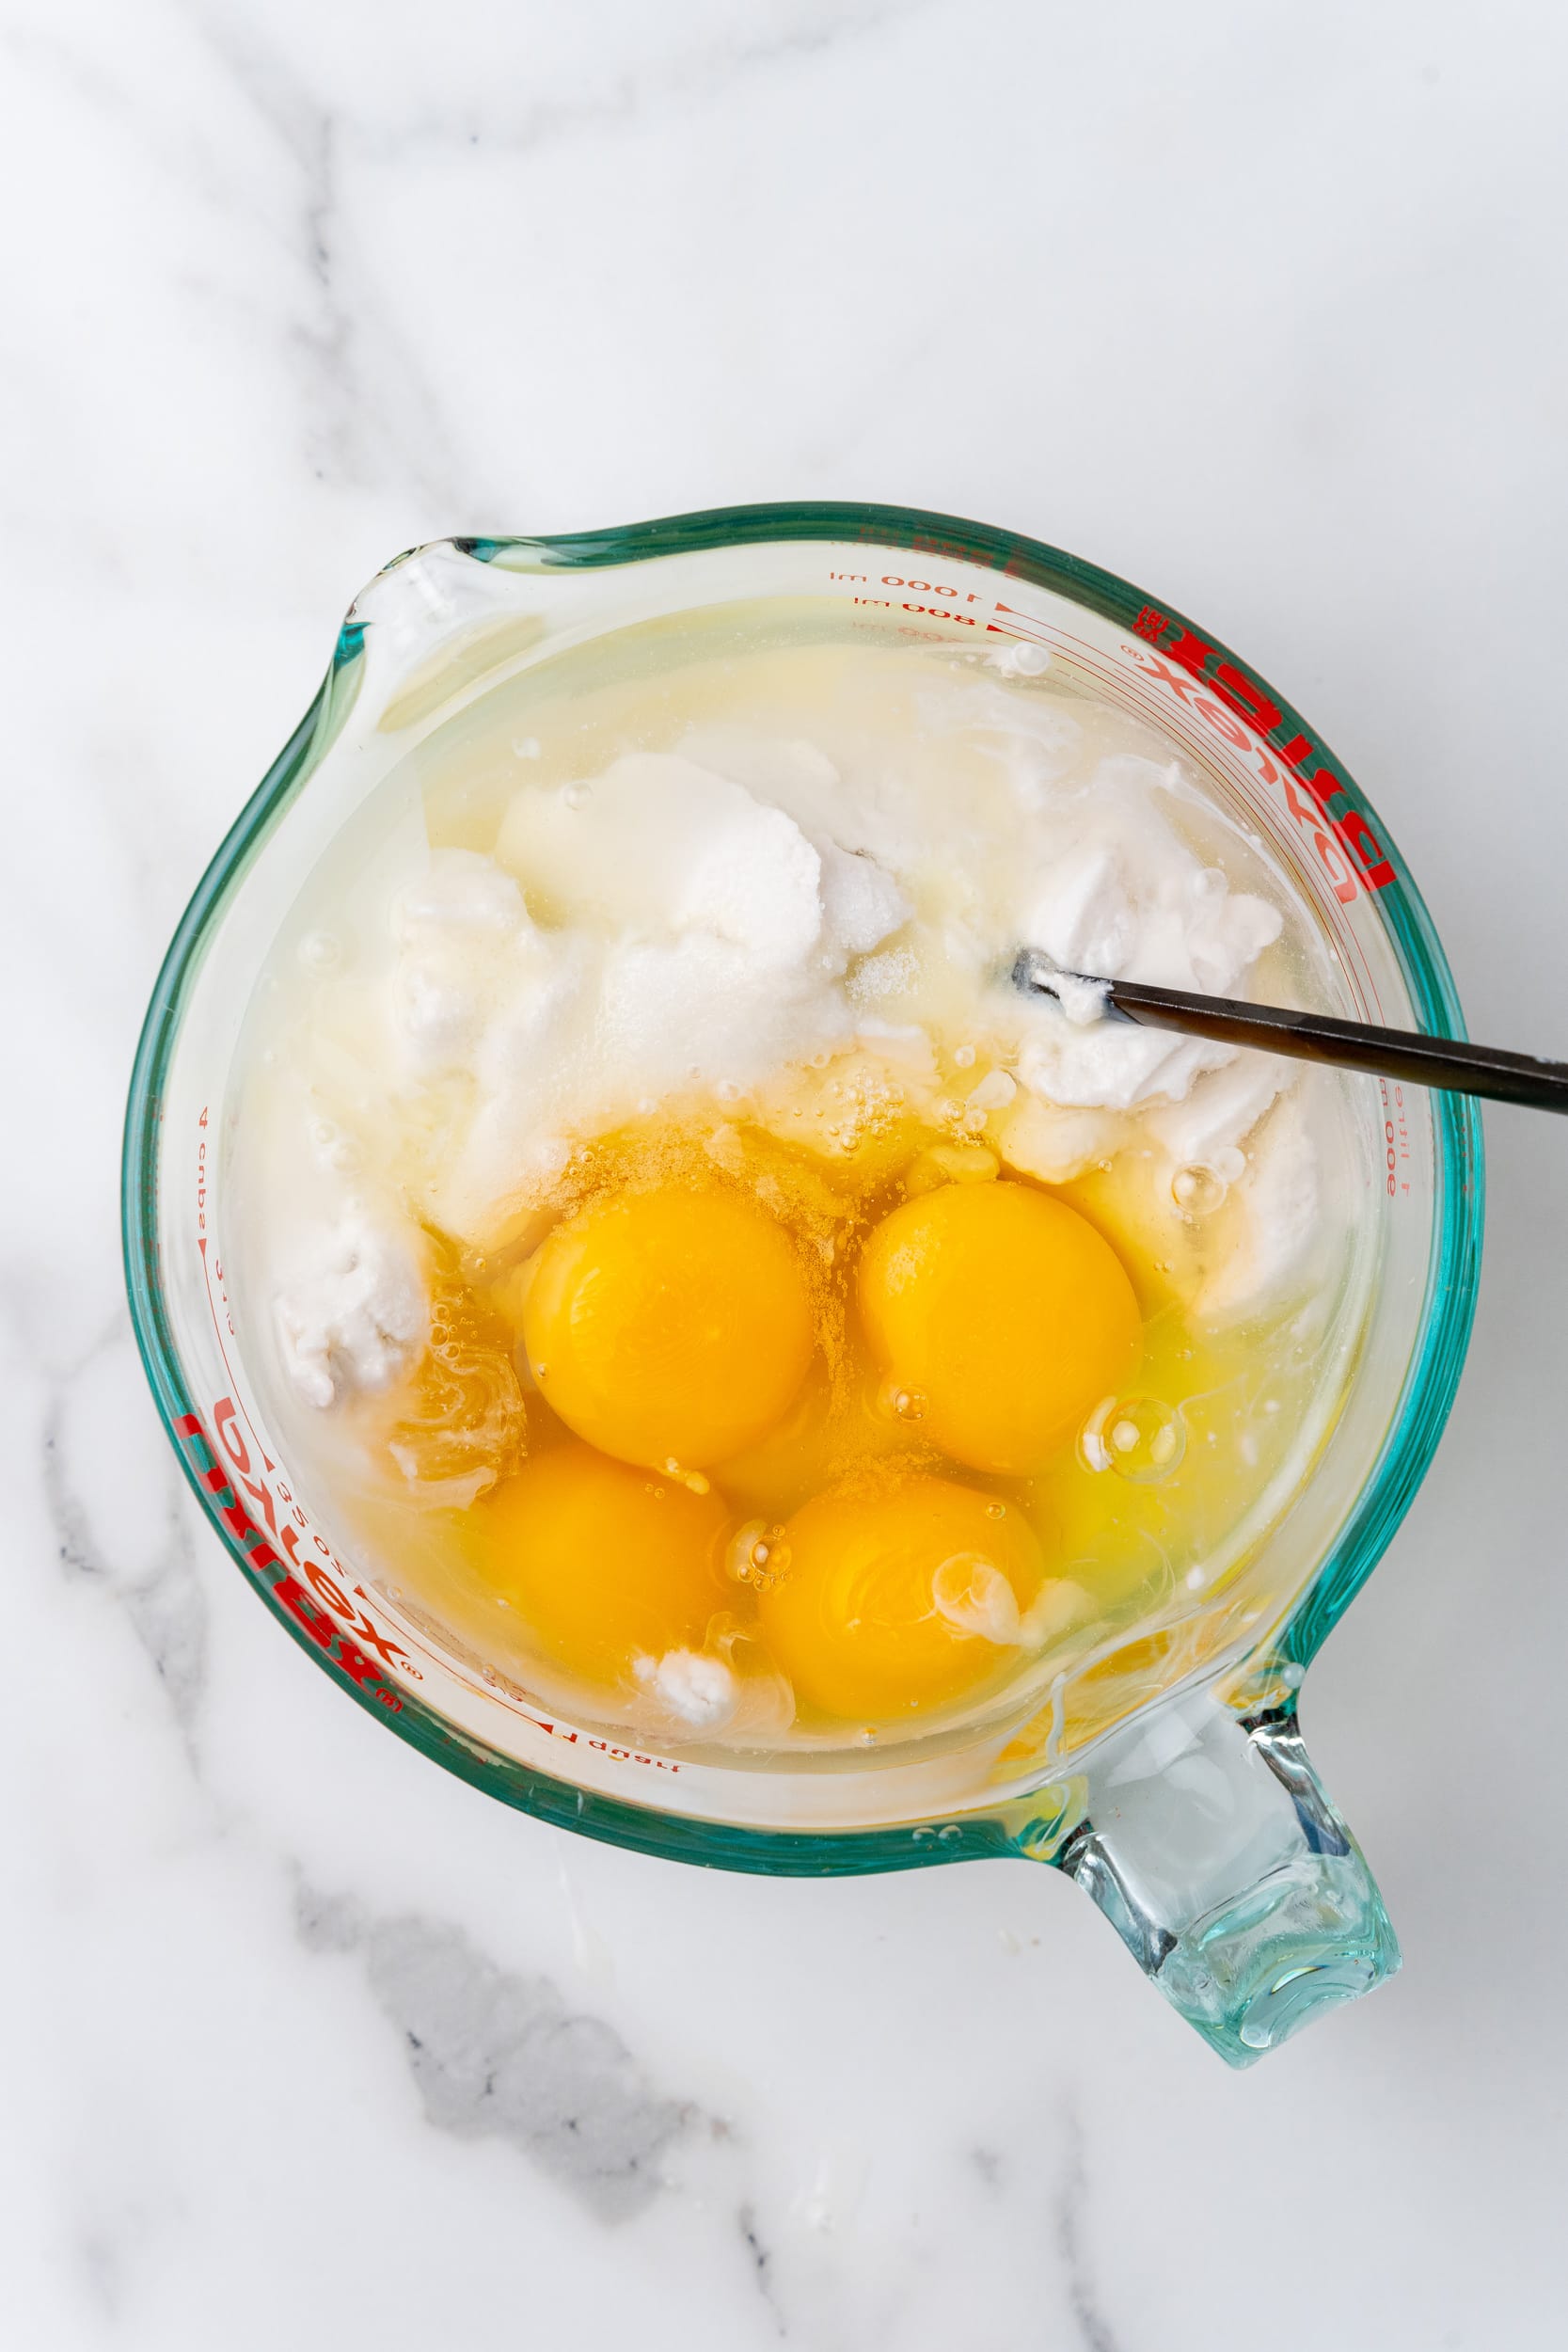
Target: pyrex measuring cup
[[1166, 1775]]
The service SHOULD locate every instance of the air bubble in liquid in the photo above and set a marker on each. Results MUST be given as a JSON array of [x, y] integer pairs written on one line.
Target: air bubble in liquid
[[1141, 1437], [1197, 1189], [320, 951], [754, 1554], [905, 1404]]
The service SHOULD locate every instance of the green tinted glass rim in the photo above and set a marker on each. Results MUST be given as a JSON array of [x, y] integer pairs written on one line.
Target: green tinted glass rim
[[1453, 1269]]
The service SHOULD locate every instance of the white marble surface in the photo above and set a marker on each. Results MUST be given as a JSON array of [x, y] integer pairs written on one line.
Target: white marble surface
[[1262, 307]]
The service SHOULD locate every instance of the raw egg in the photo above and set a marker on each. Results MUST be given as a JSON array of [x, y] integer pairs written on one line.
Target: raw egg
[[671, 1328], [898, 1595], [1002, 1318], [603, 1564]]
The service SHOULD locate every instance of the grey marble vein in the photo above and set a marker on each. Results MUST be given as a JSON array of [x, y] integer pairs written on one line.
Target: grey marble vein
[[371, 415], [164, 1603], [498, 2055], [702, 73], [761, 2260], [1093, 2330], [101, 2267]]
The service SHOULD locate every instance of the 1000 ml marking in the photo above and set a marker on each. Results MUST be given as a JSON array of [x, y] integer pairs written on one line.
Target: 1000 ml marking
[[920, 587], [917, 587]]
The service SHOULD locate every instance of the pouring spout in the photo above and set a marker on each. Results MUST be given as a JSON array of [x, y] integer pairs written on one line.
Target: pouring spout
[[1210, 1844]]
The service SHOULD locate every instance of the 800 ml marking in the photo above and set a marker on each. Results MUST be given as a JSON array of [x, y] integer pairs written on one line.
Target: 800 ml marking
[[937, 612], [1396, 1138]]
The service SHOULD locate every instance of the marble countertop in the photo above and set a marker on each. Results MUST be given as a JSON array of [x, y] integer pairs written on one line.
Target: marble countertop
[[1262, 309]]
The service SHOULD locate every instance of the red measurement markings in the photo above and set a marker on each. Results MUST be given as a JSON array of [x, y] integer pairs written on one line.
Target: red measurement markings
[[1126, 684], [1396, 1138], [1229, 695], [929, 588], [314, 1597], [936, 612], [1025, 624], [950, 610], [1307, 795], [272, 1536], [211, 1268], [1346, 878], [600, 1747], [295, 1579], [302, 1581]]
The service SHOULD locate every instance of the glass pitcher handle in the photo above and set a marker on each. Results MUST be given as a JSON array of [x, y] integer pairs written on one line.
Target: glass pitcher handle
[[1223, 1865]]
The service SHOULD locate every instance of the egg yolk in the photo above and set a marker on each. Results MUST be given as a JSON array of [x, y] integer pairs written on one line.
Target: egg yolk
[[899, 1597], [670, 1327], [1003, 1317], [602, 1563]]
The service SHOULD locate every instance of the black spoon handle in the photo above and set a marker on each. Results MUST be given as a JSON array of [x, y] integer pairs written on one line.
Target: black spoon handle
[[1401, 1054]]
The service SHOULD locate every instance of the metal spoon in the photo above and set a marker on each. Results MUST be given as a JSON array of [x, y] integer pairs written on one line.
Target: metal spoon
[[1401, 1054]]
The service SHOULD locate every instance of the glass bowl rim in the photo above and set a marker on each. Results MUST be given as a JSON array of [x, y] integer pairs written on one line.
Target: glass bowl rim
[[1436, 1361]]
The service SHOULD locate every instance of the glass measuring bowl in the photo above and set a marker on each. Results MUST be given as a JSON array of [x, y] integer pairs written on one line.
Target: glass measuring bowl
[[1167, 1775]]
